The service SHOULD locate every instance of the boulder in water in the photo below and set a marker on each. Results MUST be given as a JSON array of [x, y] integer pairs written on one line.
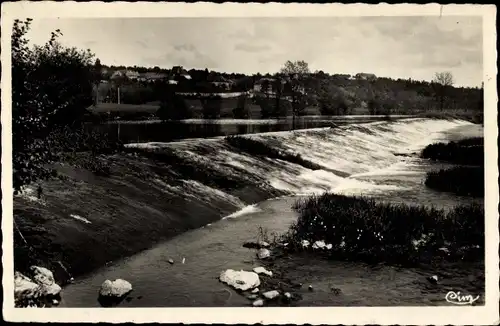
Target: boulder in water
[[253, 296], [240, 280], [262, 270], [270, 295], [263, 253], [258, 303], [113, 292]]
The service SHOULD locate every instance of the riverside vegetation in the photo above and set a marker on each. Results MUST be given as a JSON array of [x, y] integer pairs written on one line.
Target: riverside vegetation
[[461, 180]]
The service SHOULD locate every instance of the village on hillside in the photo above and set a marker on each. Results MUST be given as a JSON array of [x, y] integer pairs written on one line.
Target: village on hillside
[[133, 93]]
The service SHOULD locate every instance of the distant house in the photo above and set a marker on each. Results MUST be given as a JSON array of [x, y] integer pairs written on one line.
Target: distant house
[[220, 81], [152, 76], [131, 74], [179, 73], [268, 83], [365, 76], [125, 73]]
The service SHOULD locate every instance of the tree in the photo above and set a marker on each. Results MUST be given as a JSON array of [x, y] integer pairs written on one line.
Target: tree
[[51, 89], [442, 81], [299, 67], [241, 109], [173, 107], [297, 71], [212, 107]]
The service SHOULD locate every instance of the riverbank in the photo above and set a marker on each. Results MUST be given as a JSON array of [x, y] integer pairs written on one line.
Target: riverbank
[[85, 221]]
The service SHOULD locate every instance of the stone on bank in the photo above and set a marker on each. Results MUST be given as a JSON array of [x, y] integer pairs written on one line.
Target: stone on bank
[[113, 292], [40, 290], [240, 280]]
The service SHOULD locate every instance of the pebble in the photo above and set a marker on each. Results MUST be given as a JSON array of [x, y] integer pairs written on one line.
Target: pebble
[[310, 287], [258, 303], [171, 261], [256, 290]]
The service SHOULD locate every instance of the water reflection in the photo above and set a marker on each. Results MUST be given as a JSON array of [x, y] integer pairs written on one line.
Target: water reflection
[[129, 132]]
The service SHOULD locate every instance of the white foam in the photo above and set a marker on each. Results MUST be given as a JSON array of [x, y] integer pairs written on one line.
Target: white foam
[[79, 218], [250, 209]]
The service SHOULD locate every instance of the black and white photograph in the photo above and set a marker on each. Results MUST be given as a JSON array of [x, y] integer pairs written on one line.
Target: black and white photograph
[[249, 160]]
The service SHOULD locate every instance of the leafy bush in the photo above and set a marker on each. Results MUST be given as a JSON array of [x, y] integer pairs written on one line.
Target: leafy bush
[[174, 107], [463, 181], [51, 89], [468, 151], [255, 147], [241, 110], [360, 228]]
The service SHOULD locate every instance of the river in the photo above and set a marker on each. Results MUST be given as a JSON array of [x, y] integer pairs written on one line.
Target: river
[[211, 249]]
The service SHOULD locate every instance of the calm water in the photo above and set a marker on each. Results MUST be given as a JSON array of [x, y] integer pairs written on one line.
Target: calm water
[[157, 131], [216, 247]]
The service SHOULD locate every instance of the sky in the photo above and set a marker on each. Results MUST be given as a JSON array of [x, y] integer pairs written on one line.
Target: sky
[[398, 47]]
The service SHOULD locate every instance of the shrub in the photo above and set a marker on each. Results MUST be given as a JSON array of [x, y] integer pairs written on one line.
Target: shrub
[[241, 110], [360, 228], [463, 181], [173, 107], [468, 151]]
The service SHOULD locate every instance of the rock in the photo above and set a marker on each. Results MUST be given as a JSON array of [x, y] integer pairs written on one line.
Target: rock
[[252, 296], [258, 303], [24, 287], [117, 288], [305, 243], [256, 290], [45, 279], [433, 279], [171, 261], [310, 288], [183, 260], [42, 275], [241, 280], [40, 291], [319, 245], [55, 302], [287, 297], [262, 270], [271, 294], [263, 254], [329, 246]]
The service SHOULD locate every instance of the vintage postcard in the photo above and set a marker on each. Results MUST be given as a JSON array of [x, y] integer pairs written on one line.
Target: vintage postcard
[[249, 163]]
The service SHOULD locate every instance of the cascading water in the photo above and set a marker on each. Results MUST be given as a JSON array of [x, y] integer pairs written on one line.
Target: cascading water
[[349, 156]]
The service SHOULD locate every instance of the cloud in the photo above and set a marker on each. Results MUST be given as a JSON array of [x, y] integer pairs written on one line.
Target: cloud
[[142, 44], [252, 47], [186, 55]]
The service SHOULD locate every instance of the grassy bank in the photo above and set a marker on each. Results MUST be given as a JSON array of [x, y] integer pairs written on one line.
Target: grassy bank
[[462, 181], [85, 219], [362, 229], [257, 148], [468, 151]]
